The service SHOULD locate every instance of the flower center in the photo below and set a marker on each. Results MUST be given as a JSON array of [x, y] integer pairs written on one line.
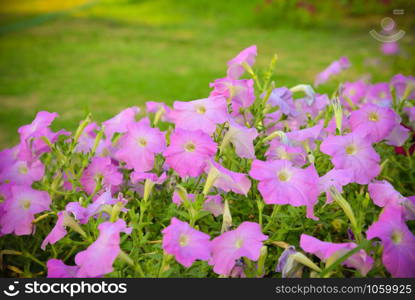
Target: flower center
[[2, 198], [190, 147], [23, 170], [142, 142], [382, 95], [373, 116], [239, 242], [351, 149], [25, 204], [183, 240], [396, 237], [201, 109], [352, 92], [284, 175]]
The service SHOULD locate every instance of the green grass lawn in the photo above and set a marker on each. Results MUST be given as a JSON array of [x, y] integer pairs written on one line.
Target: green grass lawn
[[116, 54]]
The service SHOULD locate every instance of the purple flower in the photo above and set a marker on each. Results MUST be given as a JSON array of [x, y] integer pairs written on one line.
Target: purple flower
[[379, 94], [244, 241], [235, 65], [20, 209], [353, 91], [139, 145], [185, 243], [100, 169], [333, 69], [22, 172], [58, 269], [201, 114], [87, 139], [58, 232], [383, 194], [120, 122], [325, 251], [189, 151], [228, 180], [411, 113], [397, 240], [398, 135], [278, 150], [239, 92], [159, 107], [336, 178], [283, 98], [242, 138], [373, 121], [401, 83], [214, 204], [353, 152], [390, 48], [282, 183], [98, 258]]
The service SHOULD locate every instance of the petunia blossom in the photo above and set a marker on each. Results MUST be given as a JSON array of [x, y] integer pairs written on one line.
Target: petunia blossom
[[374, 121], [360, 261], [57, 232], [185, 243], [227, 180], [242, 138], [333, 69], [22, 172], [279, 151], [202, 114], [120, 123], [336, 178], [101, 170], [404, 86], [244, 241], [58, 269], [380, 94], [98, 258], [353, 93], [139, 145], [189, 152], [240, 93], [397, 240], [235, 65], [355, 153], [20, 209], [282, 183]]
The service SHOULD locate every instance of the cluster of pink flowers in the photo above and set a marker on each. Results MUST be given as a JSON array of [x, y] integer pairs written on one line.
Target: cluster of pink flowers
[[257, 145]]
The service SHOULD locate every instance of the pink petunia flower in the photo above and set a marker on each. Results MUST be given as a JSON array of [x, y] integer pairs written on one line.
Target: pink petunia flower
[[355, 153], [57, 232], [283, 98], [100, 169], [355, 92], [411, 113], [235, 65], [120, 122], [201, 114], [98, 258], [58, 269], [214, 204], [333, 69], [242, 138], [325, 250], [280, 151], [282, 183], [336, 178], [22, 172], [139, 145], [401, 83], [373, 121], [228, 180], [397, 240], [189, 152], [185, 243], [244, 241], [379, 94], [159, 107], [20, 209], [240, 93]]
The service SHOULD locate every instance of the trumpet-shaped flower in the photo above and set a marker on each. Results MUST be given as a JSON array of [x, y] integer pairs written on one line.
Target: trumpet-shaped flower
[[333, 69], [20, 209], [235, 65], [139, 145], [355, 153], [185, 243], [282, 183], [353, 93], [98, 258], [239, 92], [58, 231], [404, 85], [101, 170], [244, 241], [283, 98], [379, 94], [120, 122], [214, 204], [22, 172], [336, 178], [398, 242], [201, 114], [374, 121], [58, 269], [280, 151], [242, 138], [227, 180], [332, 251], [189, 152]]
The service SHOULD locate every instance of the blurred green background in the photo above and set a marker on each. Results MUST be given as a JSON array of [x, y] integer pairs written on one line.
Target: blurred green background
[[80, 56]]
